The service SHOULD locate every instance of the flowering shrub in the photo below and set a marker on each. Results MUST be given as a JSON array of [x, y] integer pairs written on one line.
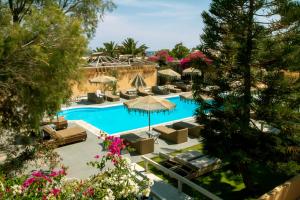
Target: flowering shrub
[[196, 57], [161, 57], [117, 182]]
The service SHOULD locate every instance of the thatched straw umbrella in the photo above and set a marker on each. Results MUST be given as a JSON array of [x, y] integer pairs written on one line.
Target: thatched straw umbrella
[[169, 74], [103, 79], [149, 104], [138, 81], [191, 72]]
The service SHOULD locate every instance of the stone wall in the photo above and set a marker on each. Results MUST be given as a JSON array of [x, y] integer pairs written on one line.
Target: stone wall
[[290, 190], [124, 74]]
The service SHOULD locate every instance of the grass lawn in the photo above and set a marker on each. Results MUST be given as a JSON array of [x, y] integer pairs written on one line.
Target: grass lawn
[[223, 182]]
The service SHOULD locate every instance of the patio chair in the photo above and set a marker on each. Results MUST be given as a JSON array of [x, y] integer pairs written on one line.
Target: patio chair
[[60, 122], [140, 144], [144, 92], [128, 94], [194, 129], [170, 134], [66, 136], [95, 98], [161, 90], [111, 97]]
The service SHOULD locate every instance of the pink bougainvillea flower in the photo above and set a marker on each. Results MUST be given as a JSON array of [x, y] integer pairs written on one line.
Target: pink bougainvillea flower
[[37, 174], [96, 156], [28, 182], [55, 191]]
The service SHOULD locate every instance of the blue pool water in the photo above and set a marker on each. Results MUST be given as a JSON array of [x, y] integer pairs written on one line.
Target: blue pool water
[[117, 118]]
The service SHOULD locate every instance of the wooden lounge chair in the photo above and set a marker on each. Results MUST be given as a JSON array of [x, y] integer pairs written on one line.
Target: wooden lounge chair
[[170, 134], [94, 98], [194, 129], [128, 95], [66, 136], [161, 90], [144, 92], [111, 97], [197, 163], [184, 87], [140, 144], [200, 165], [173, 89]]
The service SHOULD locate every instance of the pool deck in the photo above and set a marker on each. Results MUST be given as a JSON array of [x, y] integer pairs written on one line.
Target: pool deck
[[76, 156]]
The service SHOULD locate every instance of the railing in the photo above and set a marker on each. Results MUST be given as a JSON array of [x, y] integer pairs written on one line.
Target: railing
[[181, 180]]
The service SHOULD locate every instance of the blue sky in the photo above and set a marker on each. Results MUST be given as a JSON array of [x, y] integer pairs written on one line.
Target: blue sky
[[157, 23]]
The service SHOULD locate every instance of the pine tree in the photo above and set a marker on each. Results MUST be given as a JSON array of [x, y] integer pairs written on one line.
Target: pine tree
[[234, 38]]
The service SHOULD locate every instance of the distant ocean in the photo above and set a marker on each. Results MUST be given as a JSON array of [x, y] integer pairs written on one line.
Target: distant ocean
[[150, 53]]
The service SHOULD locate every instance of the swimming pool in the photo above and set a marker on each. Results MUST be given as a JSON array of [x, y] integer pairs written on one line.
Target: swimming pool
[[117, 119]]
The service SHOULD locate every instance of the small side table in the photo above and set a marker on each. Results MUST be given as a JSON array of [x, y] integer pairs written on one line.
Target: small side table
[[154, 135]]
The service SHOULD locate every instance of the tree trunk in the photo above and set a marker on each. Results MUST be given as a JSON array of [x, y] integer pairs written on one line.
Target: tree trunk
[[247, 65], [247, 177]]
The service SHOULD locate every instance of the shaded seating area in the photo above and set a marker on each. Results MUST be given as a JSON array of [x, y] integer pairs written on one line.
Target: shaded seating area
[[129, 94], [172, 135], [142, 145], [66, 136], [194, 129], [144, 91], [96, 97], [161, 90], [109, 96]]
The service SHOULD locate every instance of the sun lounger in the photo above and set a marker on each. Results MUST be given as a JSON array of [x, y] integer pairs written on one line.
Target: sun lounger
[[95, 98], [128, 94], [176, 136], [140, 144], [111, 97], [144, 92], [66, 136], [194, 129], [197, 162], [161, 90], [184, 87], [173, 89]]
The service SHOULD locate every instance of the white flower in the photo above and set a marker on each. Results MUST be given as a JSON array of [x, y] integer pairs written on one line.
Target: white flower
[[146, 192]]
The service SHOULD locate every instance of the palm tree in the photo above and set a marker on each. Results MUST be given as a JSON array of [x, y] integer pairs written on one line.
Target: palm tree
[[108, 49], [129, 46]]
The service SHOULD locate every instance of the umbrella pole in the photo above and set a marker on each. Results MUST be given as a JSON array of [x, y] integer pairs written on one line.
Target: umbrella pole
[[149, 120]]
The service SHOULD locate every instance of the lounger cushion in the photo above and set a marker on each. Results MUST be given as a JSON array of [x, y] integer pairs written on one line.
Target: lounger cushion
[[71, 132], [164, 129]]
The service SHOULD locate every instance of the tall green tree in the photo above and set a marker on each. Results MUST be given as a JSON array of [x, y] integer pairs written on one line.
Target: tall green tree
[[89, 11], [130, 46], [109, 49], [235, 37], [41, 45], [179, 51]]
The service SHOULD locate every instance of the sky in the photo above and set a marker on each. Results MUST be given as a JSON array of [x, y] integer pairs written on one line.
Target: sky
[[159, 24]]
